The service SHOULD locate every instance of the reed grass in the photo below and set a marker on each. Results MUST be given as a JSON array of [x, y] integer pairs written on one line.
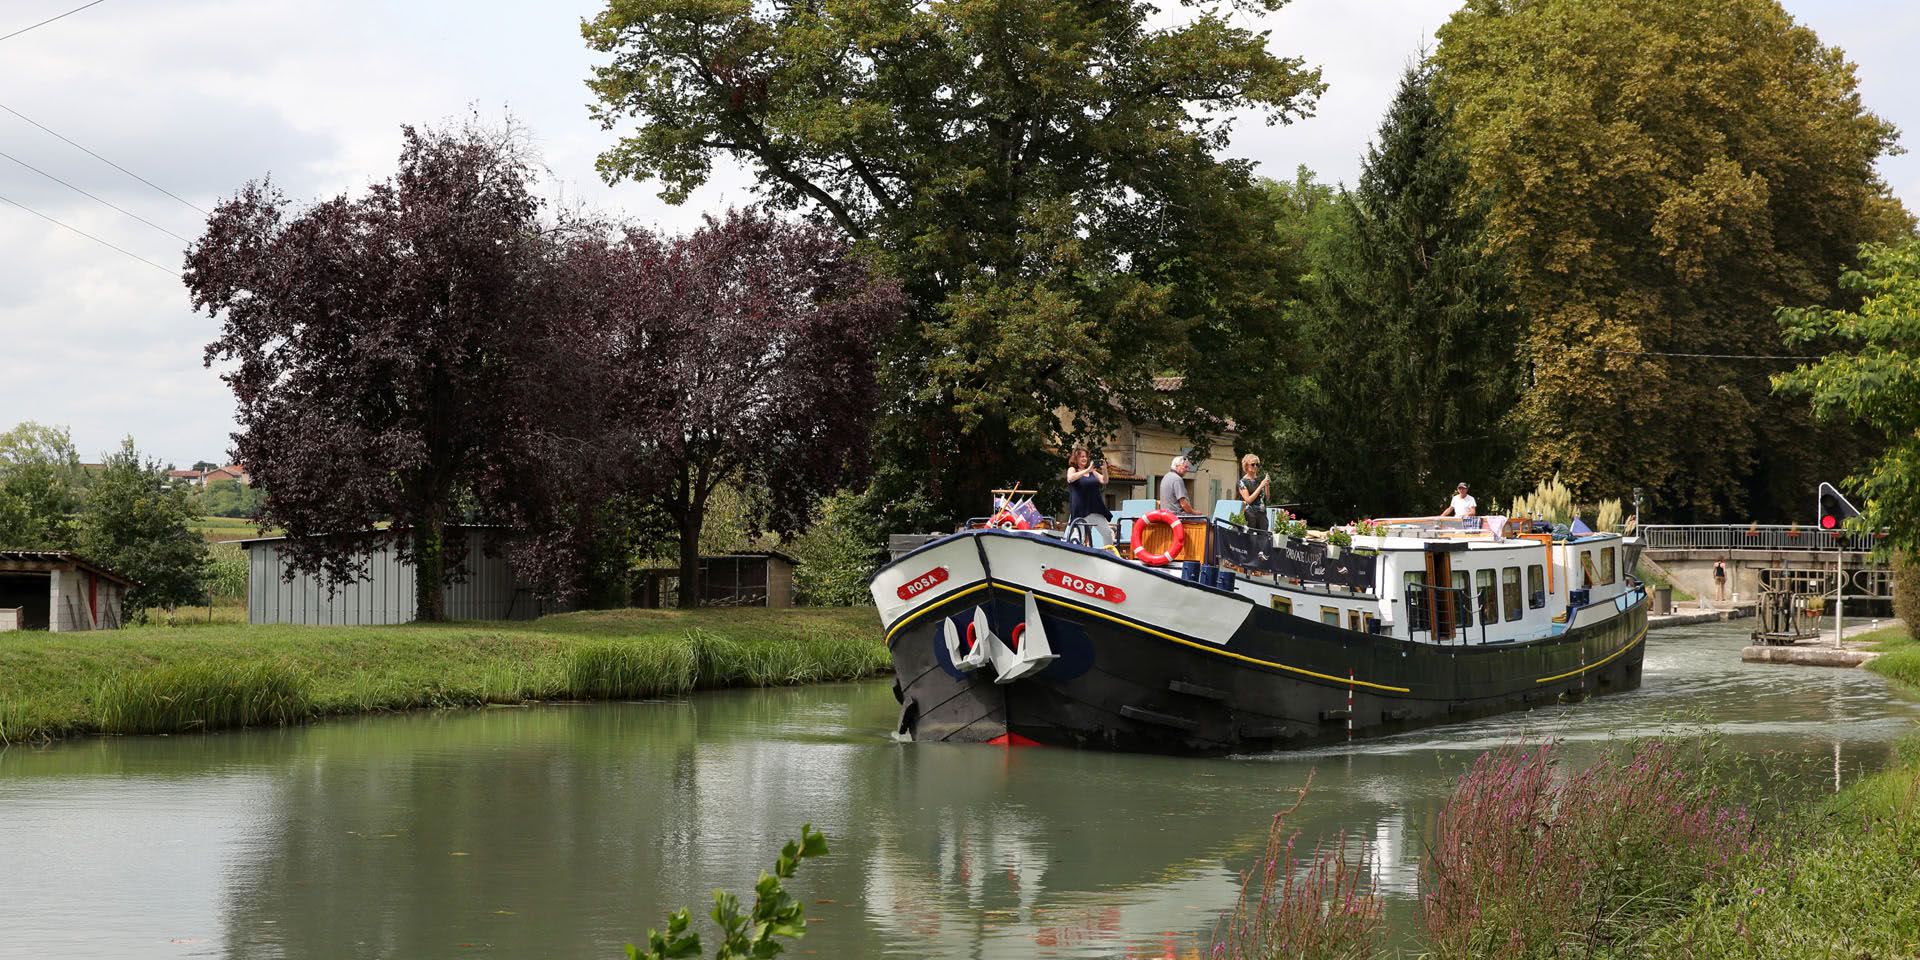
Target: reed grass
[[204, 695], [1322, 908], [1526, 862], [163, 679]]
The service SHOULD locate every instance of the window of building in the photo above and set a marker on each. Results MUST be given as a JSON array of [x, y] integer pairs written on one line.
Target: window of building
[[1330, 616], [1606, 565], [1281, 603], [1489, 597], [1510, 592], [1213, 493], [1536, 586]]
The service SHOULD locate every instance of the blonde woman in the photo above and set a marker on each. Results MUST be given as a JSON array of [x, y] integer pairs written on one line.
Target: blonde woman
[[1253, 492]]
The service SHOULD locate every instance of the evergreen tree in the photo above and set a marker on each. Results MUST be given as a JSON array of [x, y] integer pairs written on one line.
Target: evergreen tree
[[1420, 364]]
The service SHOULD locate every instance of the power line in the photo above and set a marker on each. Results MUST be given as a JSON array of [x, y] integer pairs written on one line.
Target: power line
[[43, 23], [89, 236], [102, 159], [95, 199]]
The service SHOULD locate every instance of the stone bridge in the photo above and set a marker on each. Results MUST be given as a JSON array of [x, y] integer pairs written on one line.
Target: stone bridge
[[1685, 554]]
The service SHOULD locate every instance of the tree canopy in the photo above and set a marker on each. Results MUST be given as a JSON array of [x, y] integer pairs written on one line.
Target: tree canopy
[[40, 487], [136, 523], [1041, 176], [1874, 378], [373, 343], [741, 354], [1660, 176], [1427, 372]]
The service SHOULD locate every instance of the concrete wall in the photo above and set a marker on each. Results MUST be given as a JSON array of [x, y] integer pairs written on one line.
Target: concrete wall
[[82, 600], [385, 593], [1692, 570], [10, 618]]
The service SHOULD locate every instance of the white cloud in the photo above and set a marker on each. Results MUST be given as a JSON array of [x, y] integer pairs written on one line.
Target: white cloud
[[202, 95]]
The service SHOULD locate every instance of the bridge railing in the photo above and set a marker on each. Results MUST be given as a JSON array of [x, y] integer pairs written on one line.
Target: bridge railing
[[1765, 536]]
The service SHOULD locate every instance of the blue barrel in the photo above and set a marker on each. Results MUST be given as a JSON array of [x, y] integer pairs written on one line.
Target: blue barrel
[[1223, 579], [1192, 572]]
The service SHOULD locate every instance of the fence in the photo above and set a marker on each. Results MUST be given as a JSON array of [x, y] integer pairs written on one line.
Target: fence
[[1775, 537]]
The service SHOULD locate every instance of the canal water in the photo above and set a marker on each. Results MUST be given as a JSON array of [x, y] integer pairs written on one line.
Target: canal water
[[565, 831]]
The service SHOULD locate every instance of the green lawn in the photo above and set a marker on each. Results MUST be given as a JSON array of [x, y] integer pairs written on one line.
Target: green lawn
[[222, 529], [159, 678], [1899, 653]]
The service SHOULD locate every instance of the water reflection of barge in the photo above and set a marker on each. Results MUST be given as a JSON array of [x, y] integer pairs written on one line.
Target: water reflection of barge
[[1015, 636]]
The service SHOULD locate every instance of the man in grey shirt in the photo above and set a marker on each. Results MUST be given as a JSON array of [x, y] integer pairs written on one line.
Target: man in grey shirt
[[1173, 489]]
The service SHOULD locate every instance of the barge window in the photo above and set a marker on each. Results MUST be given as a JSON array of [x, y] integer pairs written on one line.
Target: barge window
[[1353, 620], [1281, 603], [1330, 616], [1536, 586], [1606, 565], [1489, 597], [1510, 592], [1587, 576], [1462, 598]]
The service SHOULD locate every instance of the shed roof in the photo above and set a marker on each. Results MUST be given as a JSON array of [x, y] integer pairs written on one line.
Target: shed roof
[[13, 561]]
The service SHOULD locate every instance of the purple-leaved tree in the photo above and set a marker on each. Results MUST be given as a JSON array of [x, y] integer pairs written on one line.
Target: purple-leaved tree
[[744, 354], [379, 350]]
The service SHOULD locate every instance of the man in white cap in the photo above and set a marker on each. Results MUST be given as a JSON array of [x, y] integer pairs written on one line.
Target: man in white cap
[[1462, 507]]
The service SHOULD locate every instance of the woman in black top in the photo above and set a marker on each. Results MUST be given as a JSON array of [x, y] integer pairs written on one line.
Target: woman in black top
[[1084, 482], [1253, 492]]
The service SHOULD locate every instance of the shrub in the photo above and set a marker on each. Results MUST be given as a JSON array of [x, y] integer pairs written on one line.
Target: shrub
[[1523, 863], [1906, 591], [203, 695], [837, 554], [1315, 911]]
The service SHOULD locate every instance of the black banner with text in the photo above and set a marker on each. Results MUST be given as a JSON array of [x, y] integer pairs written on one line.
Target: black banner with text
[[1303, 560]]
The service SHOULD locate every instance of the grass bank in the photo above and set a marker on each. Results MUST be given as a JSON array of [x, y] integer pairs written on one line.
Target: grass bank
[[1899, 654], [166, 679]]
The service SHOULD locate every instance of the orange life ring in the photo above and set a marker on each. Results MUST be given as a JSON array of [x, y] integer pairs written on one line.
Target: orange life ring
[[1178, 543]]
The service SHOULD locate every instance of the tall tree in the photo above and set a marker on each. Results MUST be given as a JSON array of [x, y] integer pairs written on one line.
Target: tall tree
[[1661, 175], [135, 522], [1429, 366], [40, 486], [1874, 379], [1041, 175], [373, 343], [744, 357]]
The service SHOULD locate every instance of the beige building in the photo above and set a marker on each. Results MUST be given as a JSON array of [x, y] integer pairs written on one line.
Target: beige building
[[1138, 455]]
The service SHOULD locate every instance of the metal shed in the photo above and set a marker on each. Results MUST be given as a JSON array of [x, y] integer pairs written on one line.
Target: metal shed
[[489, 589], [59, 591]]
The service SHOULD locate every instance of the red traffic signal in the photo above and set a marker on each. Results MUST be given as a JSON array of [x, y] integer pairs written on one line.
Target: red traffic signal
[[1834, 508]]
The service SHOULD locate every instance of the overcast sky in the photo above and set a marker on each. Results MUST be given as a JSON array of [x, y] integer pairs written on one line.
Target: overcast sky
[[199, 96]]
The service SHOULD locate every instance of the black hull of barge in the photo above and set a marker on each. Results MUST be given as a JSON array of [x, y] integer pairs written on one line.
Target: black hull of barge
[[1281, 682]]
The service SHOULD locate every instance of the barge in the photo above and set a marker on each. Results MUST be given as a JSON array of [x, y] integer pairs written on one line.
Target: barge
[[1203, 637]]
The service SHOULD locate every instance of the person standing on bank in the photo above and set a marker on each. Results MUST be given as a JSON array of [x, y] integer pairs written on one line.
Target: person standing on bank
[[1253, 492], [1173, 489], [1085, 478], [1462, 507]]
